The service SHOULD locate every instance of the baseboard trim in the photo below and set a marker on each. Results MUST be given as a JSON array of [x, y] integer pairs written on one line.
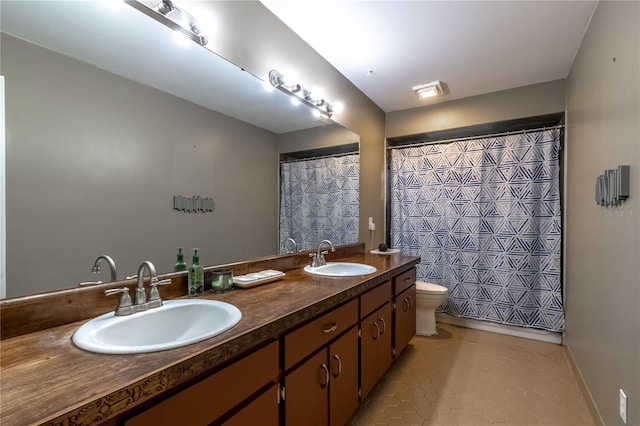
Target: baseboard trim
[[593, 409], [527, 333]]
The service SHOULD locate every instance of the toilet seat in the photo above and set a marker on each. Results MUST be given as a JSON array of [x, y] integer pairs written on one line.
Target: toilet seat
[[430, 288]]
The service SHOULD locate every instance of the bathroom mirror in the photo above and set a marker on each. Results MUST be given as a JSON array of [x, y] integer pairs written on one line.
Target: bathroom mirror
[[108, 117]]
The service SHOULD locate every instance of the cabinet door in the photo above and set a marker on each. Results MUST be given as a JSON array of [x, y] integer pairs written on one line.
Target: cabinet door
[[343, 388], [369, 353], [385, 340], [263, 411], [375, 347], [411, 321], [405, 319], [307, 392]]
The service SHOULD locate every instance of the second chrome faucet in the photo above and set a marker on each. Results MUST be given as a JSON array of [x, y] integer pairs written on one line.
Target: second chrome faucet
[[317, 258]]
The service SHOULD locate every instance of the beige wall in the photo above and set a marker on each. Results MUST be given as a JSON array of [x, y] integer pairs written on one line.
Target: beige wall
[[528, 101], [603, 244]]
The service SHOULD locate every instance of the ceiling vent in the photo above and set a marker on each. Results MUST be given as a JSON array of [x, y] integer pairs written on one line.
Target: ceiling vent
[[428, 90]]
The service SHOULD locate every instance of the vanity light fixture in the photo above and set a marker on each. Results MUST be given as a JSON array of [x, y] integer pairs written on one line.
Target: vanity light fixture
[[167, 13], [301, 94], [428, 90]]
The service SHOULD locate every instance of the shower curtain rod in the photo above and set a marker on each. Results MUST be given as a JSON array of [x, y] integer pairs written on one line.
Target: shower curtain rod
[[467, 138], [319, 157]]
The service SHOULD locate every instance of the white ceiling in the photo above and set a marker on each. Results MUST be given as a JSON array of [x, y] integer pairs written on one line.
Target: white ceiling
[[475, 47]]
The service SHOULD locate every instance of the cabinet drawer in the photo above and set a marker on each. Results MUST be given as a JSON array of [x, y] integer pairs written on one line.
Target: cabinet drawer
[[404, 281], [312, 336], [373, 299], [205, 401]]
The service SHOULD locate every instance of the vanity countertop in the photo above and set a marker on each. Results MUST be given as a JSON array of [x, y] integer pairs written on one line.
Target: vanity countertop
[[46, 379]]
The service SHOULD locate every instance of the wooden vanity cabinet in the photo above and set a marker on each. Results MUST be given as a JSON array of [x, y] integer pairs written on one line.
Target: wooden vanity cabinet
[[211, 398], [376, 336], [316, 374], [323, 389], [404, 302]]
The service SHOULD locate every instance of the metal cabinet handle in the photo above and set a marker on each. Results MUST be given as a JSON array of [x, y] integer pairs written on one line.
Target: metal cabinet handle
[[331, 328], [375, 324], [408, 279], [410, 302], [326, 376], [405, 305], [384, 326], [337, 358]]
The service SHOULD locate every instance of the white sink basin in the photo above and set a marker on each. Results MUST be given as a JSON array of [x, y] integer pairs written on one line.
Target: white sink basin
[[341, 269], [175, 324]]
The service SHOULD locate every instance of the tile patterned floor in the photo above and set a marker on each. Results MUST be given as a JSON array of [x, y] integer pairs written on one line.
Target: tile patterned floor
[[471, 377]]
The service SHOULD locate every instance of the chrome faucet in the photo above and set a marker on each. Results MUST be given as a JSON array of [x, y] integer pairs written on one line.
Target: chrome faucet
[[125, 307], [317, 258], [110, 262], [141, 296], [295, 245]]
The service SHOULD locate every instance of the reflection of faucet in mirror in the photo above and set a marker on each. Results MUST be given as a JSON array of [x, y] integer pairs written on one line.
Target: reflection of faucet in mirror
[[295, 245], [110, 262]]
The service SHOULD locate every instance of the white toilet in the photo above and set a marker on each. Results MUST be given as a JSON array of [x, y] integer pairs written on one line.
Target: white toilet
[[429, 296]]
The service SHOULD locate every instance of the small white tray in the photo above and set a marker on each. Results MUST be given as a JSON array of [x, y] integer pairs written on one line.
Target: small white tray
[[257, 278], [389, 251]]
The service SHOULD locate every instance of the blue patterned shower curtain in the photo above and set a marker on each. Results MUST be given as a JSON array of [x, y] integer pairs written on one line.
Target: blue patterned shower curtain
[[485, 217], [320, 199]]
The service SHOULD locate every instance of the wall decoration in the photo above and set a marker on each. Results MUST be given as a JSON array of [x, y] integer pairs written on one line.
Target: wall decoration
[[612, 187], [192, 204]]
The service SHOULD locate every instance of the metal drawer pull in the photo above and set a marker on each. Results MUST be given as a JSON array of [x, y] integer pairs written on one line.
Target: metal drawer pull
[[331, 328], [337, 358], [384, 326], [326, 376], [408, 279], [375, 324]]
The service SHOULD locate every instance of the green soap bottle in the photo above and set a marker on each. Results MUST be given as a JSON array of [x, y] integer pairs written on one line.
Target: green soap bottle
[[196, 276], [180, 265]]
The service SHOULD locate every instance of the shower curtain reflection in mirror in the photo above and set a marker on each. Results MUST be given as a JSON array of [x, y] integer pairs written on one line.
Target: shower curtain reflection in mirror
[[484, 215], [319, 199]]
